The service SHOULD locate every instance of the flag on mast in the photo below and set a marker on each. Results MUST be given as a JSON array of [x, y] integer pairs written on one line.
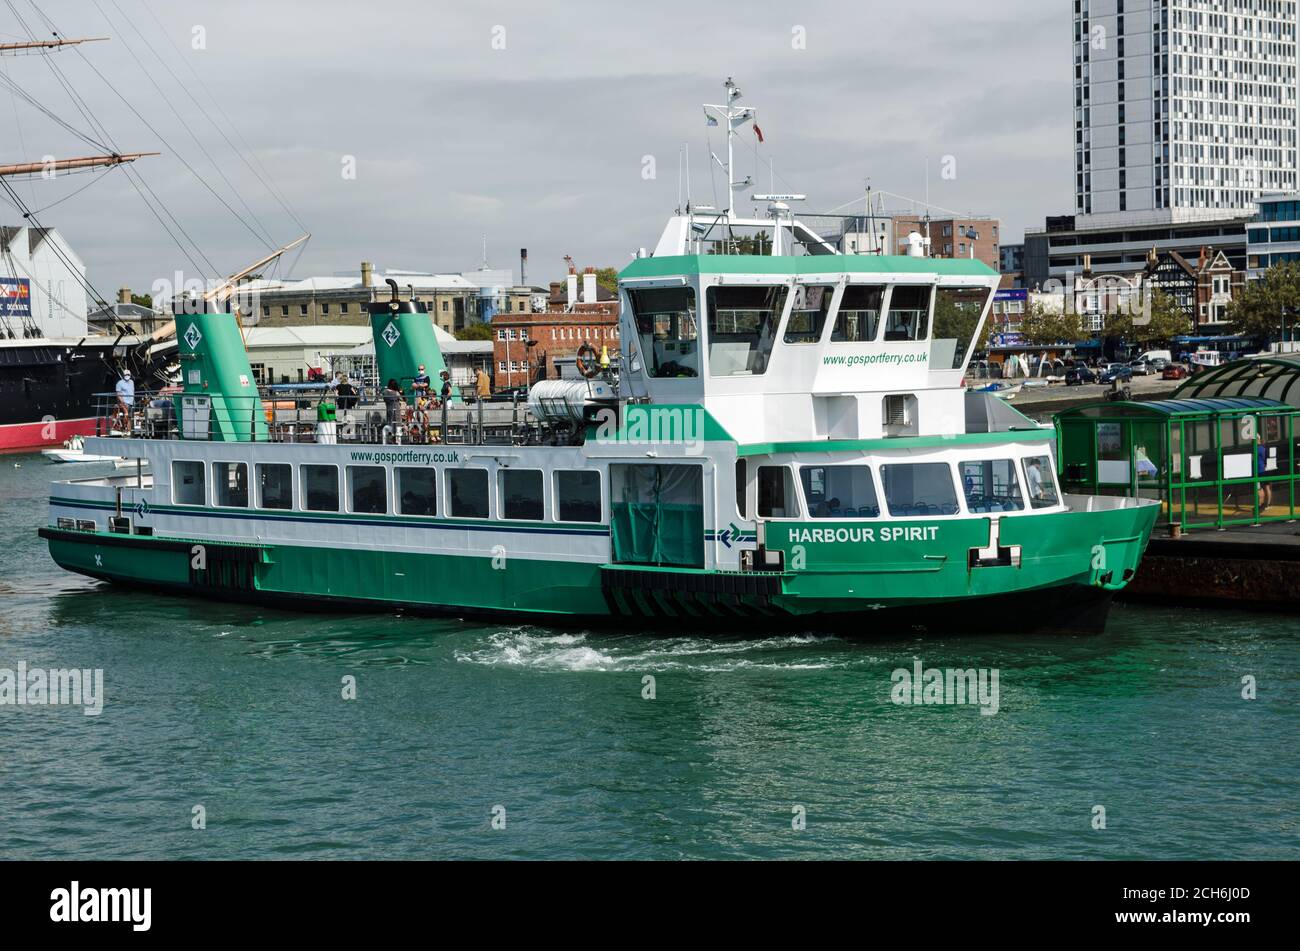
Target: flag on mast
[[758, 132]]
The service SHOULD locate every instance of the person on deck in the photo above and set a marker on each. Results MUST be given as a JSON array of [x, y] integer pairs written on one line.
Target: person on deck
[[421, 384], [445, 393], [393, 400], [482, 383], [125, 390]]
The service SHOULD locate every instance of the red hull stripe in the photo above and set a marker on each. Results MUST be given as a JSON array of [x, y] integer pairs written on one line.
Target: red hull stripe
[[35, 435]]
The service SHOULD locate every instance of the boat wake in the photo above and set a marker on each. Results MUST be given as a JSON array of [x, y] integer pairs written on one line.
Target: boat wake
[[530, 648]]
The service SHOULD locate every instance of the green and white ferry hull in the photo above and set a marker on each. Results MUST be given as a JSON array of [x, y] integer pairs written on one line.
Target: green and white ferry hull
[[787, 443]]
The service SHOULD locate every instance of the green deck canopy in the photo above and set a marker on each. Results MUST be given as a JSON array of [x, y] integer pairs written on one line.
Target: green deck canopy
[[1273, 376]]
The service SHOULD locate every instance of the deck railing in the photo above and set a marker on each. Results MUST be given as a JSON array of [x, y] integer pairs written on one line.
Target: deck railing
[[296, 417]]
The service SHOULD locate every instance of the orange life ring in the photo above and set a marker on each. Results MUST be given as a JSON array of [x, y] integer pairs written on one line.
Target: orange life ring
[[587, 360]]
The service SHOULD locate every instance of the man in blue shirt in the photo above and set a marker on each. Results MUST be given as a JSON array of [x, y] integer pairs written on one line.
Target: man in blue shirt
[[125, 390]]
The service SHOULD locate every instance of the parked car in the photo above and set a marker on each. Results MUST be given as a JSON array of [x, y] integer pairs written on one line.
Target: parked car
[[1160, 364], [1141, 368], [1117, 371], [1175, 371], [1079, 374]]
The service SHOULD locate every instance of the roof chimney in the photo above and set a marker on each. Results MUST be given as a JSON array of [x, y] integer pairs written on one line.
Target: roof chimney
[[523, 266], [589, 286], [571, 287], [367, 274], [124, 295]]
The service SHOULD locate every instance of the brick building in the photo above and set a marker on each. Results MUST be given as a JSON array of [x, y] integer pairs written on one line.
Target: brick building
[[527, 343], [950, 237]]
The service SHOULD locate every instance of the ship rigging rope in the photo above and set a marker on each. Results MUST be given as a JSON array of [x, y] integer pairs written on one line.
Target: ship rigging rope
[[265, 235], [134, 177], [264, 176]]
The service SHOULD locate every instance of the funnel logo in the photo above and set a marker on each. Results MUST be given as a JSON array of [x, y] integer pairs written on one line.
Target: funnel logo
[[390, 334], [142, 509], [193, 337]]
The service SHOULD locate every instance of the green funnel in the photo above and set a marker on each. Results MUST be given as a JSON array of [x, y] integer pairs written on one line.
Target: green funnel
[[214, 364], [404, 340]]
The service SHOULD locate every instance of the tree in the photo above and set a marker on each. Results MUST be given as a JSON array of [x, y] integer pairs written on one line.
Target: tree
[[142, 300], [478, 331], [955, 317], [1159, 320], [1043, 327], [607, 277], [1267, 306]]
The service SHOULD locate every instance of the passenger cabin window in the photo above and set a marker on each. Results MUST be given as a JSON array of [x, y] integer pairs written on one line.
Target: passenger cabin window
[[808, 313], [922, 488], [909, 314], [668, 331], [742, 328], [957, 313], [188, 487], [320, 488], [521, 494], [468, 491], [368, 489], [417, 491], [991, 486], [859, 314], [776, 494], [274, 485], [742, 484], [1041, 482], [839, 491], [230, 484], [577, 495]]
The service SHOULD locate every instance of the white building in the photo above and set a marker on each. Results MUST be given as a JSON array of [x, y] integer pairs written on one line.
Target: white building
[[42, 285], [1273, 237], [1184, 109]]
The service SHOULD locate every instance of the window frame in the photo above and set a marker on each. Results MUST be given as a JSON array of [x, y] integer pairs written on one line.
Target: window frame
[[502, 473], [450, 472], [203, 468], [397, 491], [293, 493], [216, 483], [304, 497], [602, 517], [351, 490]]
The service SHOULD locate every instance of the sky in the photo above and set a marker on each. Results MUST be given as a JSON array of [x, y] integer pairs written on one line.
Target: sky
[[402, 132]]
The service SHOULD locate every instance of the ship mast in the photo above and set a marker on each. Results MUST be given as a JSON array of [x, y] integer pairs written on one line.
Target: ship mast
[[11, 48], [223, 291], [735, 116], [59, 165]]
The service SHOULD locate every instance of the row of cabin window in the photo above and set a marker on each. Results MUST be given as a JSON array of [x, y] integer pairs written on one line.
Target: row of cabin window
[[521, 492], [910, 489]]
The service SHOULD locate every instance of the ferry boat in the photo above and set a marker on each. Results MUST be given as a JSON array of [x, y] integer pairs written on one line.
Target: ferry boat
[[786, 442]]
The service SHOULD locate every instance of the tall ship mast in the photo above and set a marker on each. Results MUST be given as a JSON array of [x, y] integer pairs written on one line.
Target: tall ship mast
[[784, 441]]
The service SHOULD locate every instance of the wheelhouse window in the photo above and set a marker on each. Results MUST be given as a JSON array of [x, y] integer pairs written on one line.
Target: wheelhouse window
[[521, 494], [776, 493], [188, 485], [920, 488], [991, 485], [417, 491], [274, 485], [957, 313], [909, 314], [320, 488], [468, 491], [839, 491], [742, 328], [1041, 482], [230, 484], [859, 314], [368, 489], [808, 312], [742, 484], [668, 330], [577, 495]]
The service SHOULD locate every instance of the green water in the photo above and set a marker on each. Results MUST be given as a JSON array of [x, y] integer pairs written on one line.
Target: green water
[[240, 710]]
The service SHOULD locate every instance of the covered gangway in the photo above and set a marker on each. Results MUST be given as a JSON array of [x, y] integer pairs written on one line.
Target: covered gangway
[[1274, 376]]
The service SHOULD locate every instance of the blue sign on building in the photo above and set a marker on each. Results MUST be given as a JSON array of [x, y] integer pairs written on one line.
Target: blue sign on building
[[15, 297]]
